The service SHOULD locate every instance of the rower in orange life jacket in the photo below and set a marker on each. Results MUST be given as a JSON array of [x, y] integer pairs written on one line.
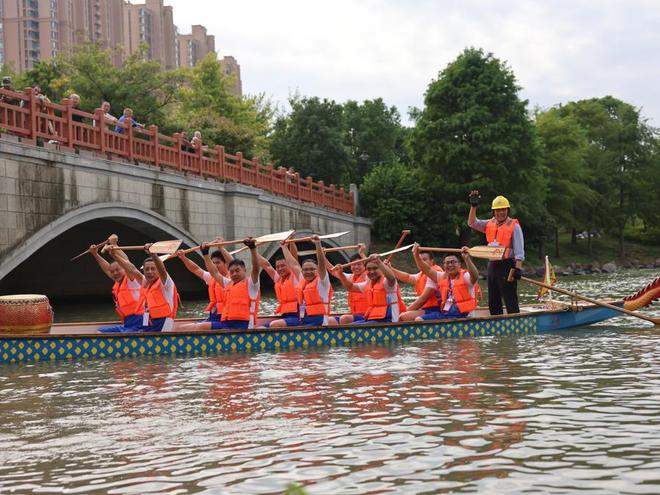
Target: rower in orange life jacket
[[357, 302], [458, 288], [242, 290], [159, 298], [425, 290], [314, 292], [216, 290], [125, 292], [501, 230], [384, 303], [286, 282]]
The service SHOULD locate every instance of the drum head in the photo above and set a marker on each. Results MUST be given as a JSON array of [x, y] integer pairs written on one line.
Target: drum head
[[23, 299]]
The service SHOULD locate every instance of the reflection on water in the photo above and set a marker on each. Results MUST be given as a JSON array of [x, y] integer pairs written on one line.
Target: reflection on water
[[555, 413]]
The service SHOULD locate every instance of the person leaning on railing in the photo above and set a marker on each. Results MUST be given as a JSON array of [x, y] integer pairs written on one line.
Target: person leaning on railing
[[127, 117]]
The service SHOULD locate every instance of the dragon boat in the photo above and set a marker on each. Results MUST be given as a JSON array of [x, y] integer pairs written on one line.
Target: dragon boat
[[83, 341]]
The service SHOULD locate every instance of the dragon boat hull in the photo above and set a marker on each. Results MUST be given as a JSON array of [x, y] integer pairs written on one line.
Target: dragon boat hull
[[81, 341]]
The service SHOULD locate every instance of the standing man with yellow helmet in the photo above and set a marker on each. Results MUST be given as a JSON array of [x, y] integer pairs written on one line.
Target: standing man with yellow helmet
[[501, 230]]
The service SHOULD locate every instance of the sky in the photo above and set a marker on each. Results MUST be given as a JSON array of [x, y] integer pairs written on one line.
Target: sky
[[559, 50]]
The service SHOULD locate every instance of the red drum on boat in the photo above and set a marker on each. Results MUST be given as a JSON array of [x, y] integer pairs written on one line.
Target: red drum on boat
[[25, 313]]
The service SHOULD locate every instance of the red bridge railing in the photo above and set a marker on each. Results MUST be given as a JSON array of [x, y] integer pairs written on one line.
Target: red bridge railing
[[25, 115]]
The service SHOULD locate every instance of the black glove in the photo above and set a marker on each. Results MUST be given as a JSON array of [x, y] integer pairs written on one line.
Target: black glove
[[250, 243], [474, 198], [204, 250], [517, 273]]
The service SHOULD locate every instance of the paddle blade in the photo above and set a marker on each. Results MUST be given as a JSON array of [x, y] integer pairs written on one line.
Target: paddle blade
[[492, 253], [279, 236], [397, 250], [165, 247], [333, 236]]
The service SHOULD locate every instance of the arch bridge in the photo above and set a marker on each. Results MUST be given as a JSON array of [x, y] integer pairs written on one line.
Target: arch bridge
[[54, 204]]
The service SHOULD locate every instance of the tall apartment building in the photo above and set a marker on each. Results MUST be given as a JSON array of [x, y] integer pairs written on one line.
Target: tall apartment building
[[33, 30], [194, 46], [151, 24], [230, 68], [97, 21]]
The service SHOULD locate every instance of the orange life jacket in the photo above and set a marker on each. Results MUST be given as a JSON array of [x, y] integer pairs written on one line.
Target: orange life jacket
[[238, 304], [502, 234], [420, 285], [308, 293], [216, 296], [287, 295], [157, 305], [465, 301], [125, 301], [377, 301], [357, 301]]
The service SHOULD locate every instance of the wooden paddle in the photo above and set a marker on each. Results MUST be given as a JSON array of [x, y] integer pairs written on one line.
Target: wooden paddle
[[261, 240], [492, 253], [326, 236], [387, 253], [279, 236], [160, 247], [99, 245], [330, 250], [655, 321], [404, 234]]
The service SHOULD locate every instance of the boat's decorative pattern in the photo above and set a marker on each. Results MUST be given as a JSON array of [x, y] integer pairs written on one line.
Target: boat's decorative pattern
[[30, 349]]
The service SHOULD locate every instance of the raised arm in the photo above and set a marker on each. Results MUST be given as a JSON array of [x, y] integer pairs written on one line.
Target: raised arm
[[474, 273], [266, 266], [401, 276], [421, 300], [103, 264], [210, 266], [475, 199], [320, 257], [423, 267], [291, 260], [160, 266], [131, 271], [384, 269], [338, 273], [190, 265], [227, 257], [362, 250], [254, 260]]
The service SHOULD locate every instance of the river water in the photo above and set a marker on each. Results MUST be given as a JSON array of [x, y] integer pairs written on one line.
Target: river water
[[554, 413]]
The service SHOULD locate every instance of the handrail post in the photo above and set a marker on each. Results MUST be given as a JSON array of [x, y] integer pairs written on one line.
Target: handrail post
[[332, 195], [255, 164], [154, 128], [322, 191], [220, 158], [239, 162], [223, 164], [129, 137], [269, 167], [68, 122], [33, 114], [199, 152], [99, 120], [177, 150]]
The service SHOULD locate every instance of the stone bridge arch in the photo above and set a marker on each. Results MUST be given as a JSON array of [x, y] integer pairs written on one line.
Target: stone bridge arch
[[41, 261]]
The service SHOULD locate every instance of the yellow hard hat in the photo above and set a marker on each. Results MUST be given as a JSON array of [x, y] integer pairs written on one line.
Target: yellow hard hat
[[500, 202]]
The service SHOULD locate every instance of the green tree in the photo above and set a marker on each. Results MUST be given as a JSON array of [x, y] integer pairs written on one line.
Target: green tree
[[620, 151], [47, 75], [474, 132], [311, 139], [208, 105], [141, 85], [390, 195], [373, 135], [564, 148]]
